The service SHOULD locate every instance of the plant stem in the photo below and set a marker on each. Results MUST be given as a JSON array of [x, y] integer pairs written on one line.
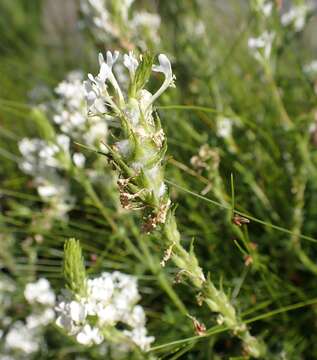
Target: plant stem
[[216, 300]]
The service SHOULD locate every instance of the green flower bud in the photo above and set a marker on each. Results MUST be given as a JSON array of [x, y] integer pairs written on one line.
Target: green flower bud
[[74, 268]]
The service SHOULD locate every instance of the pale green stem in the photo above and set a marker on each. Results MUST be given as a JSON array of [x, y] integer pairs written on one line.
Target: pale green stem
[[277, 97], [215, 299]]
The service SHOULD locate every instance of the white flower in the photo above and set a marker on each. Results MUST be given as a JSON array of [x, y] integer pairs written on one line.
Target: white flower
[[108, 315], [137, 317], [89, 336], [37, 155], [106, 73], [63, 141], [111, 299], [131, 63], [111, 59], [224, 127], [165, 68], [265, 7], [100, 289], [39, 319], [22, 339], [64, 319], [79, 160], [262, 46], [296, 16], [138, 336], [78, 311], [46, 191], [39, 292]]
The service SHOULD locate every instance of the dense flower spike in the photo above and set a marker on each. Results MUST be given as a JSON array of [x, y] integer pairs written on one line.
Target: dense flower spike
[[92, 309], [138, 156], [142, 146]]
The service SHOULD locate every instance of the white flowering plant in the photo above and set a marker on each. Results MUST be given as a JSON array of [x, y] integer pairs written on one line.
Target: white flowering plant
[[183, 157]]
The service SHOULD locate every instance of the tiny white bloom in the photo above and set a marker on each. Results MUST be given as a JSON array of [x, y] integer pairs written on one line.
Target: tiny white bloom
[[79, 160], [63, 141], [224, 127], [47, 191], [165, 68], [138, 336], [40, 292], [89, 335], [296, 16], [43, 318], [22, 339], [78, 311], [262, 45], [131, 63]]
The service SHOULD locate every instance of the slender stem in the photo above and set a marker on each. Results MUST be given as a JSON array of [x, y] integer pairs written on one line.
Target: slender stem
[[277, 96]]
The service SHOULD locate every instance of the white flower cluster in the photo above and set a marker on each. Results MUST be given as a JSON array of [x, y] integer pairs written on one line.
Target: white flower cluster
[[43, 160], [119, 21], [40, 292], [264, 7], [261, 47], [296, 16], [134, 110], [97, 90], [70, 112], [111, 299], [25, 337]]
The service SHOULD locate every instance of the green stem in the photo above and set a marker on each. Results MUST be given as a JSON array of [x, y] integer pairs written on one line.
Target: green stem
[[153, 264], [277, 97], [216, 300]]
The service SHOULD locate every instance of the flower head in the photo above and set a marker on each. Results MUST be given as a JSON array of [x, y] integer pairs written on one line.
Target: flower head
[[131, 63], [296, 16], [40, 292], [261, 46], [111, 299]]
